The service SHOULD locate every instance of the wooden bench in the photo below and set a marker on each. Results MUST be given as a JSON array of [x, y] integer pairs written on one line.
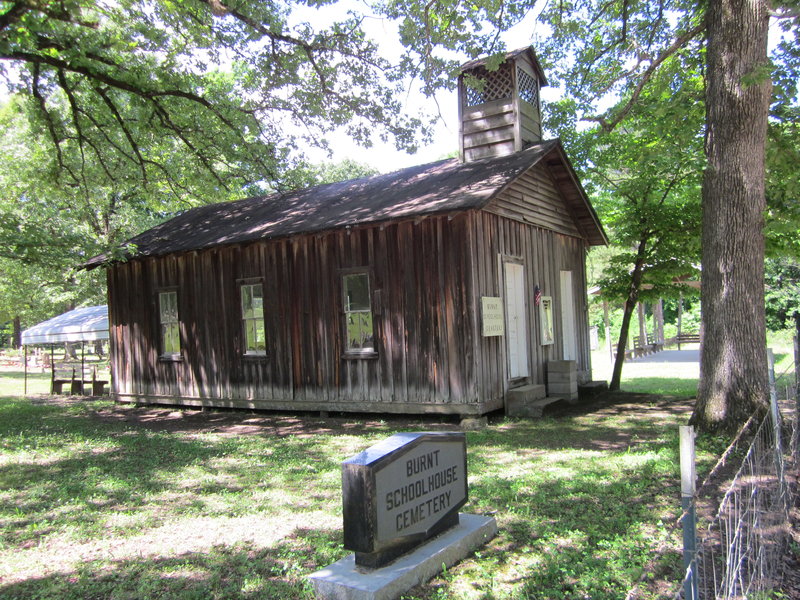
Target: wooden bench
[[96, 385], [79, 380], [63, 374], [684, 338]]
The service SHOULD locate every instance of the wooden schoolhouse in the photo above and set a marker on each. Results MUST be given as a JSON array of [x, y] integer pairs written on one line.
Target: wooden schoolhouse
[[438, 288]]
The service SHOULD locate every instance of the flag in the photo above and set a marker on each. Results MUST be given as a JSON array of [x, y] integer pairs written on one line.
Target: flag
[[537, 295]]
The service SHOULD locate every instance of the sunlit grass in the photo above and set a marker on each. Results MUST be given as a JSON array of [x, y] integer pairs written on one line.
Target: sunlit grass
[[681, 378], [651, 376]]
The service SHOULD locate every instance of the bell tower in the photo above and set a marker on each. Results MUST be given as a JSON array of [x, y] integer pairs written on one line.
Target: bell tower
[[500, 110]]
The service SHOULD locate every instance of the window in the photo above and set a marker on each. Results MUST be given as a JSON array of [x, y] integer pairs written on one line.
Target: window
[[255, 341], [170, 323], [357, 313], [528, 88]]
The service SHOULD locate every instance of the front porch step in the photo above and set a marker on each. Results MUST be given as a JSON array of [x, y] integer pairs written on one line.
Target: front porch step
[[528, 401]]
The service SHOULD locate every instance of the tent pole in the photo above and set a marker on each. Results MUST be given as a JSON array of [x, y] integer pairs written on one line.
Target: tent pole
[[25, 358], [83, 367], [52, 368]]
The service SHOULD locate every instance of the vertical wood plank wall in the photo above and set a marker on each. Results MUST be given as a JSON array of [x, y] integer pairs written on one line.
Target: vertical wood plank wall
[[544, 254], [420, 277]]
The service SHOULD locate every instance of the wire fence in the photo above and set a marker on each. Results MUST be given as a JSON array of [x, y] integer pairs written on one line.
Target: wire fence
[[739, 554]]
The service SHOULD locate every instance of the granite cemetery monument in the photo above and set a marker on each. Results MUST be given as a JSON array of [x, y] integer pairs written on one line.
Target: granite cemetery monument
[[400, 511]]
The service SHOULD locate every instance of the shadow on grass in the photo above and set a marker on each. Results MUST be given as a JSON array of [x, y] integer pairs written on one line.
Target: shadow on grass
[[580, 537], [616, 422], [66, 472], [240, 571]]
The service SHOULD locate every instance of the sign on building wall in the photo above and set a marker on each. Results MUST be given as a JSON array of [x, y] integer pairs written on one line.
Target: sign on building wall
[[546, 320], [492, 316], [402, 491]]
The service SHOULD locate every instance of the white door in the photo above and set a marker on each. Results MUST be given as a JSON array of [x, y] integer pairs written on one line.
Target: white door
[[516, 330], [569, 342]]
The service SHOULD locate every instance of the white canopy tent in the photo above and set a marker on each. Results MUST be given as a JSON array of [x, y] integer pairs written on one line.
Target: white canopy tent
[[87, 324], [80, 325]]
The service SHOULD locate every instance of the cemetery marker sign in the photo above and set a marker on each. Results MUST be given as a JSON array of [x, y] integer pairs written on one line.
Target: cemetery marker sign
[[401, 492]]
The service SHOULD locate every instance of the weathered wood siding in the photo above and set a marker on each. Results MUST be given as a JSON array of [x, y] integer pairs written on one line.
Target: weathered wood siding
[[506, 122], [489, 129], [421, 274], [534, 199], [544, 254], [427, 277]]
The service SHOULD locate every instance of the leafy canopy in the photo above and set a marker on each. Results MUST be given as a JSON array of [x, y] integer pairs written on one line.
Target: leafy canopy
[[232, 89]]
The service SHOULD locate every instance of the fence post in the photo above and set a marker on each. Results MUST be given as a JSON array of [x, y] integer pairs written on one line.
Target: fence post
[[688, 482], [796, 436], [776, 422]]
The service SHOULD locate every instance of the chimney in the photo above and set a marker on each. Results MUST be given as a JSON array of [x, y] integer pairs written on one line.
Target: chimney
[[505, 115]]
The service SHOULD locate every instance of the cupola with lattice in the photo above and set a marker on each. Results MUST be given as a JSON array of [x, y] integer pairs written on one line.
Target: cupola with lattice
[[499, 109]]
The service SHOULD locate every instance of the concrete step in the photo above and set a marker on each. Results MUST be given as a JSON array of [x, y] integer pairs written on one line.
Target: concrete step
[[531, 409]]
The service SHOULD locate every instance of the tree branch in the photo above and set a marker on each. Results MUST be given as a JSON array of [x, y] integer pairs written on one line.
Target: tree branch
[[13, 14], [36, 93], [115, 113], [608, 125]]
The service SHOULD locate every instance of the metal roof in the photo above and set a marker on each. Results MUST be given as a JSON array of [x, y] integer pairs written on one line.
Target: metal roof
[[440, 187], [82, 324]]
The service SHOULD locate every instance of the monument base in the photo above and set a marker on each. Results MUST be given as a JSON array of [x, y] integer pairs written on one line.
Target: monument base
[[343, 580]]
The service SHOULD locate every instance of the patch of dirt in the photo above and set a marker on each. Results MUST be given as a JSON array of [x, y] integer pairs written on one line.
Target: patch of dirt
[[240, 422], [791, 560], [304, 424]]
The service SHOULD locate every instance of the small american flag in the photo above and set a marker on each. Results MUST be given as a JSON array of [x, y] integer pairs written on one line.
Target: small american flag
[[537, 295]]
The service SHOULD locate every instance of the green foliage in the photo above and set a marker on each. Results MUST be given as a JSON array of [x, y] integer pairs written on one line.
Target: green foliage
[[782, 283], [234, 89], [340, 171], [645, 180], [783, 185]]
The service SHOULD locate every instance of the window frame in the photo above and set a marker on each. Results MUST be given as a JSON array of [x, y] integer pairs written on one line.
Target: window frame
[[246, 352], [163, 354], [356, 353]]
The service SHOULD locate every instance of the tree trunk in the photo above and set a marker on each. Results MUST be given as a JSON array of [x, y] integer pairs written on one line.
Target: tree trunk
[[658, 319], [733, 373], [627, 313], [624, 330], [16, 338]]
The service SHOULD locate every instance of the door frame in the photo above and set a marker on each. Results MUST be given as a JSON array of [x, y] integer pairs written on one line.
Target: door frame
[[569, 330], [522, 366]]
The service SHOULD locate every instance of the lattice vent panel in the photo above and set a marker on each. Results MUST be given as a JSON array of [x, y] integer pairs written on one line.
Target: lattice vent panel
[[496, 86], [528, 88]]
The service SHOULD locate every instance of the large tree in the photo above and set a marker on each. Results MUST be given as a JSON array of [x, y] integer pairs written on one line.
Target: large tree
[[49, 225], [733, 362]]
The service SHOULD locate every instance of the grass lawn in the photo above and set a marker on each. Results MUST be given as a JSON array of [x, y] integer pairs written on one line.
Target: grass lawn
[[652, 374], [108, 501], [678, 377]]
